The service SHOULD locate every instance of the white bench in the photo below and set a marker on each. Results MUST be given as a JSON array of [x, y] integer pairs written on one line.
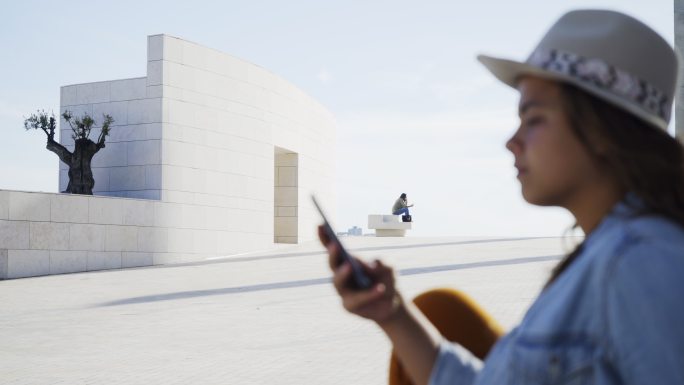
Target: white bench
[[388, 225]]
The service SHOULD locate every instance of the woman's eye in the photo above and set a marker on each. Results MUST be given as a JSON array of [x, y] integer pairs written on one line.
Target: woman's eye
[[533, 121]]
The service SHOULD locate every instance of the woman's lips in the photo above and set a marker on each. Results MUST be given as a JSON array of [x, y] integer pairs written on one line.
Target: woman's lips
[[521, 170]]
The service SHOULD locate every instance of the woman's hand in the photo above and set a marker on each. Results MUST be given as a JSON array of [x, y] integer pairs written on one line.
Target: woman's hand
[[380, 302]]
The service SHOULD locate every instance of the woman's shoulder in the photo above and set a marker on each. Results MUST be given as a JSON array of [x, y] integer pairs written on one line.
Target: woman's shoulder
[[651, 249]]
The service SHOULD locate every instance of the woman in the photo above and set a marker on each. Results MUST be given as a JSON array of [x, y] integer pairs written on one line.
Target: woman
[[595, 101]]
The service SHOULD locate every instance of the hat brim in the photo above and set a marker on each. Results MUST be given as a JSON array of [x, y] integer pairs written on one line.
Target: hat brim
[[509, 72]]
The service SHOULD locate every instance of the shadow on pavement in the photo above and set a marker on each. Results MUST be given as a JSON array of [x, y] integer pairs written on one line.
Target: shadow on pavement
[[320, 281]]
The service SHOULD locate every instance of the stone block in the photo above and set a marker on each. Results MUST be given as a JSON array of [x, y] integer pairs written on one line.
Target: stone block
[[70, 208], [287, 177], [139, 213], [144, 194], [105, 211], [144, 152], [285, 226], [181, 240], [3, 264], [103, 260], [153, 239], [86, 237], [67, 95], [128, 89], [101, 176], [121, 238], [89, 93], [27, 263], [29, 206], [144, 111], [63, 262], [117, 110], [49, 236], [286, 211], [155, 47], [155, 73], [136, 259], [173, 49], [14, 234], [113, 155], [127, 178], [4, 204], [284, 196]]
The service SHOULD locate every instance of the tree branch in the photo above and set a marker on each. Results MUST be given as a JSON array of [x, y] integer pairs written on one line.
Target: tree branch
[[63, 154]]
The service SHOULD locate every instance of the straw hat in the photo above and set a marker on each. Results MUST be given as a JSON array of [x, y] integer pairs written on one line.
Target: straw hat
[[608, 54]]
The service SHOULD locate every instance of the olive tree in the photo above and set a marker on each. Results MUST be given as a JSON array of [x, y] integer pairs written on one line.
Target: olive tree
[[81, 179]]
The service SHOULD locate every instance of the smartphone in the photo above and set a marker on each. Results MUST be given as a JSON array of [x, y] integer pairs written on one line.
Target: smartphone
[[359, 280]]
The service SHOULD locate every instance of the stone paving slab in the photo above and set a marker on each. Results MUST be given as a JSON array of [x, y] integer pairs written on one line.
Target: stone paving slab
[[262, 318]]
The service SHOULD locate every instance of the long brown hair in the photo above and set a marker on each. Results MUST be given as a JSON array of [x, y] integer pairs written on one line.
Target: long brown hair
[[645, 160]]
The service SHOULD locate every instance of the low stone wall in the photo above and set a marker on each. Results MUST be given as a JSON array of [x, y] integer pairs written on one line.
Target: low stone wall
[[47, 233]]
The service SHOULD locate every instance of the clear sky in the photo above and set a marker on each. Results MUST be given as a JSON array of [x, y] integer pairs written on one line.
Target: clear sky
[[416, 113]]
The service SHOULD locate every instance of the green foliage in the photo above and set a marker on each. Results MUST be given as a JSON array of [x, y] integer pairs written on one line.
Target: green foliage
[[80, 127], [42, 120]]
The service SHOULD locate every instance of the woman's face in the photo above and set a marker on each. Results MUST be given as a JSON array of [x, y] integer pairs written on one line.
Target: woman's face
[[553, 166]]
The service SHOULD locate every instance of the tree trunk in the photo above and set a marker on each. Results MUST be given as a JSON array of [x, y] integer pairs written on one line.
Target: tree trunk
[[81, 179]]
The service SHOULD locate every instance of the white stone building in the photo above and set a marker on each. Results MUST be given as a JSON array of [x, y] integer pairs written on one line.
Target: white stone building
[[219, 155]]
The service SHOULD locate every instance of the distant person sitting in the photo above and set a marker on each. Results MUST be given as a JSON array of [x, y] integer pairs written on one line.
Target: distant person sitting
[[401, 208]]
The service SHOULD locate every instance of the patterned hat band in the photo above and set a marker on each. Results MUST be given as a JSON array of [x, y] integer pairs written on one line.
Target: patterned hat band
[[606, 77]]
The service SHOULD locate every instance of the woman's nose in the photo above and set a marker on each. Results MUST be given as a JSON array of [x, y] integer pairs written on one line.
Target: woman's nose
[[513, 144]]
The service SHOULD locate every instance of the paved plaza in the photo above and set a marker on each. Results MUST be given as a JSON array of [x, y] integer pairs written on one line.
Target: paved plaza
[[261, 318]]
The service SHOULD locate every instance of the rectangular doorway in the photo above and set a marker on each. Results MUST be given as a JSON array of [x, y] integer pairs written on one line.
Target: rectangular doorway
[[286, 196]]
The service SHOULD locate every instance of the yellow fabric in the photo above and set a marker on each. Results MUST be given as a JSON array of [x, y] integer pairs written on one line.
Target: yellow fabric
[[459, 319]]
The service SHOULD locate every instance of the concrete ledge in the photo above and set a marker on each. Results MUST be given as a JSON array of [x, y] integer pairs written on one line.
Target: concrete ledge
[[390, 232], [388, 225]]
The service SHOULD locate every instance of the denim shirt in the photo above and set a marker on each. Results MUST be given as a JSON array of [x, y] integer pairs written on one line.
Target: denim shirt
[[615, 316]]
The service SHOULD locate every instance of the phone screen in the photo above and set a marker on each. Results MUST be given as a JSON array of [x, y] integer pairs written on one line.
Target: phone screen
[[359, 279]]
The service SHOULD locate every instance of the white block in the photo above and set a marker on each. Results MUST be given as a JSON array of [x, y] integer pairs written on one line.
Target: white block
[[285, 226], [3, 264], [153, 177], [71, 208], [4, 204], [86, 237], [287, 177], [153, 239], [103, 260], [153, 131], [29, 206], [62, 262], [112, 155], [173, 49], [127, 178], [136, 259], [144, 152], [121, 238], [93, 93], [14, 234], [155, 73], [49, 236], [284, 196], [155, 47], [27, 263], [181, 240], [144, 111], [128, 133], [144, 194], [138, 213], [128, 89], [101, 176], [117, 110], [68, 95], [105, 211]]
